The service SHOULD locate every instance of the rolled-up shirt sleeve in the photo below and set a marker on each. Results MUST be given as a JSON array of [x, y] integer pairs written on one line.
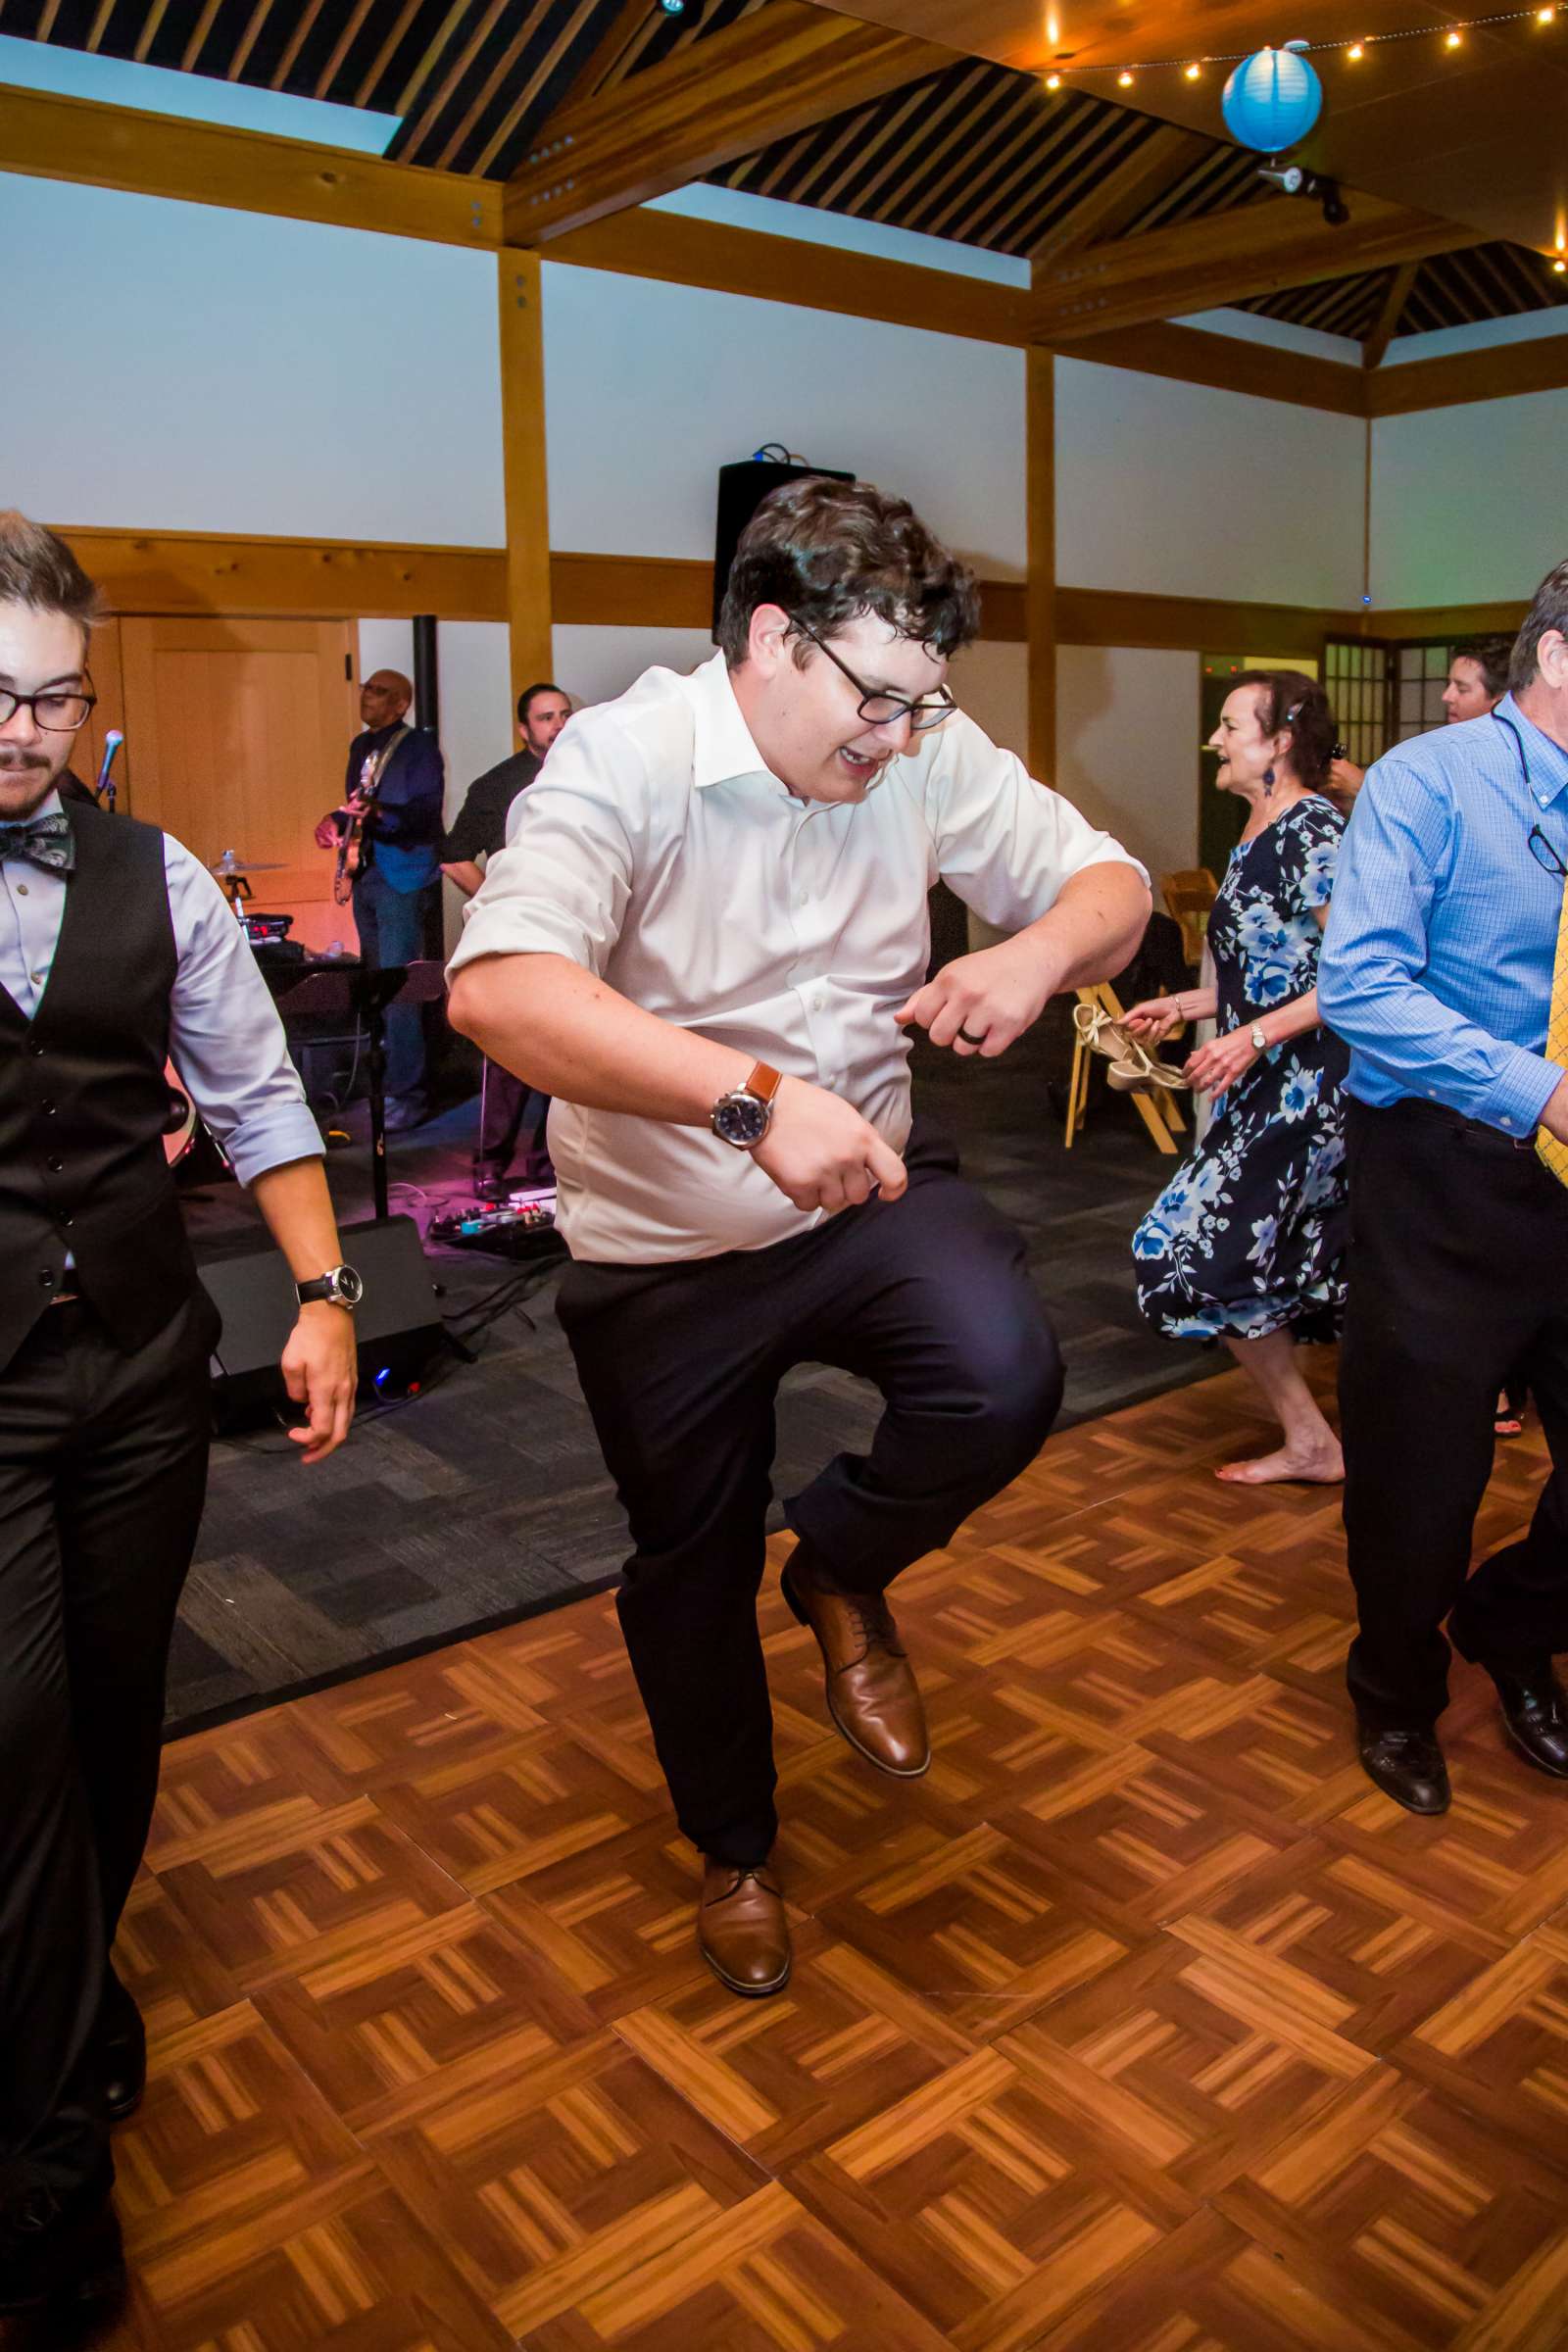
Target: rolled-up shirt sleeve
[[1004, 843], [1396, 856], [226, 1039], [563, 883]]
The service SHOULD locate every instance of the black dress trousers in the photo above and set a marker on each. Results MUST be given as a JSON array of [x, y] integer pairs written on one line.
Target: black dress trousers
[[103, 1469], [929, 1298], [1458, 1272]]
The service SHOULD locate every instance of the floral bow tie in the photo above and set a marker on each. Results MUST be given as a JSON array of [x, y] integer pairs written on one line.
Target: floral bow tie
[[44, 840]]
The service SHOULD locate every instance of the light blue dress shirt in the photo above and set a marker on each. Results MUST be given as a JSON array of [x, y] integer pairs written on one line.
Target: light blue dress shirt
[[1437, 966], [226, 1039]]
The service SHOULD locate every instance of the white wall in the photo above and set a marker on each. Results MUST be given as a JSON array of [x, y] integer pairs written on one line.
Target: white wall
[[1466, 504], [1181, 490], [650, 388], [1127, 733], [183, 367]]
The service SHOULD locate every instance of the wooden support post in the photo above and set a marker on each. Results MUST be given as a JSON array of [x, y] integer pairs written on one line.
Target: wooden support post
[[522, 444], [1039, 431]]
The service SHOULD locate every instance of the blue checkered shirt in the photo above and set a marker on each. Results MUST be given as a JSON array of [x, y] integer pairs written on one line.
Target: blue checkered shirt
[[1437, 965]]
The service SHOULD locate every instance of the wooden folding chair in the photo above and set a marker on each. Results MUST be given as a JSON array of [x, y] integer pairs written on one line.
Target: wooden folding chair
[[1189, 896], [1160, 1111]]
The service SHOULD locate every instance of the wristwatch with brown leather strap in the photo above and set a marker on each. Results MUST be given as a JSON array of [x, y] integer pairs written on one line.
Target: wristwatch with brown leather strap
[[743, 1116]]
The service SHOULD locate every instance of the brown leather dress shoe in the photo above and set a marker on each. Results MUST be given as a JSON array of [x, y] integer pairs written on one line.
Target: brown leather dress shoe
[[741, 1931], [873, 1694]]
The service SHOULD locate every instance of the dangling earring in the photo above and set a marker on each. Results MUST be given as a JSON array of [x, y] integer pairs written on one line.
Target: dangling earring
[[1268, 783]]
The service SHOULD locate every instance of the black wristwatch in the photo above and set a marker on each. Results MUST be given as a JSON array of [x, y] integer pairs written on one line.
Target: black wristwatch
[[339, 1286], [743, 1116]]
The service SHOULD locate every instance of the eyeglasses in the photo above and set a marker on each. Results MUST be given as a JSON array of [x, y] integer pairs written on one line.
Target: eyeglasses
[[56, 714], [1542, 850], [886, 710]]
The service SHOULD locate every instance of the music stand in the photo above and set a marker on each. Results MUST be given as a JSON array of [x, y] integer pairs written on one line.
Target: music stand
[[366, 994]]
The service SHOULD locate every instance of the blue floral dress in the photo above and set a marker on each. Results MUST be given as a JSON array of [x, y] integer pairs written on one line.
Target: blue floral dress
[[1248, 1236]]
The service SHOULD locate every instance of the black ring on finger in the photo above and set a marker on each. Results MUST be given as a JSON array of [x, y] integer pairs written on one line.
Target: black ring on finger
[[969, 1039]]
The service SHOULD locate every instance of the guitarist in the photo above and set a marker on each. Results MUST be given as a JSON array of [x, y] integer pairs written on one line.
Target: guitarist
[[393, 791]]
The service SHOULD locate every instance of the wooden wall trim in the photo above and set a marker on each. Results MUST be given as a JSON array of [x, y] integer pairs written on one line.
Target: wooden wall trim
[[204, 163], [525, 470], [1041, 604], [202, 571]]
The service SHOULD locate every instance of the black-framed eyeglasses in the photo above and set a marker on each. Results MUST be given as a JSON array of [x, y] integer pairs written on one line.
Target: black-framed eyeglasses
[[886, 710], [55, 712], [1542, 850]]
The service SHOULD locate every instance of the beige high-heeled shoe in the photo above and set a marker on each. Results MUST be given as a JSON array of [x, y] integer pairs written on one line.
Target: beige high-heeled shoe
[[1134, 1070]]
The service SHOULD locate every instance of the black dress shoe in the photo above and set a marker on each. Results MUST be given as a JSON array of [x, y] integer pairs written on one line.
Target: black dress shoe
[[120, 2051], [1407, 1766], [60, 2248], [1535, 1716]]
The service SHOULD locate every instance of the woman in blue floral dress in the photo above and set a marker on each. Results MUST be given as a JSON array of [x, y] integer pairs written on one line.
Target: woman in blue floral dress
[[1245, 1242]]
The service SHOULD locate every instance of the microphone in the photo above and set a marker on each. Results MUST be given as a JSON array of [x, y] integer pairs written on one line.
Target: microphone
[[112, 743]]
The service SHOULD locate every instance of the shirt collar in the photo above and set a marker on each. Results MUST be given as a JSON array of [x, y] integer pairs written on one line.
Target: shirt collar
[[721, 742], [1547, 761]]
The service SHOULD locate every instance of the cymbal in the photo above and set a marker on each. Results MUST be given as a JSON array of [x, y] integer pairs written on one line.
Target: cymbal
[[232, 862]]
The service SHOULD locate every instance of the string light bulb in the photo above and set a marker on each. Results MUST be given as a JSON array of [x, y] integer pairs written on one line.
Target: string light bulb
[[1194, 73], [1356, 53], [1052, 82], [1560, 265], [1453, 41], [1545, 16], [1125, 81]]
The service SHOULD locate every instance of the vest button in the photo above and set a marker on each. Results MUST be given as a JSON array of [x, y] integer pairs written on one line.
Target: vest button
[[55, 1164], [64, 1220], [46, 1281], [48, 1109], [34, 1046]]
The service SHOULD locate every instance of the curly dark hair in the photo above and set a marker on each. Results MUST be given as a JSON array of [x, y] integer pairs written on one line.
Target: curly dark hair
[[1288, 698], [1492, 656], [825, 552]]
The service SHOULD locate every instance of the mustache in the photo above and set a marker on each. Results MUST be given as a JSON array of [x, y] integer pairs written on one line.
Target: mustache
[[18, 764]]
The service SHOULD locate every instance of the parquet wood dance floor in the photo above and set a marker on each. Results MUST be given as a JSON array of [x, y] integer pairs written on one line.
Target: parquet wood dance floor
[[1141, 2023]]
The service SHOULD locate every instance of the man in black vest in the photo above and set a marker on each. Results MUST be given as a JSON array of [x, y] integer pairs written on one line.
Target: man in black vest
[[116, 952], [512, 1113]]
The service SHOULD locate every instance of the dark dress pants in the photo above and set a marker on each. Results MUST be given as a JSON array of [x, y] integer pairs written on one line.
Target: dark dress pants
[[512, 1113], [391, 927], [1458, 1271], [103, 1468], [927, 1296]]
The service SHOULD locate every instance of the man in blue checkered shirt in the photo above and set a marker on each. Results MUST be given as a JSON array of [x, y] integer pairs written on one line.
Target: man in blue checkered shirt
[[1437, 970]]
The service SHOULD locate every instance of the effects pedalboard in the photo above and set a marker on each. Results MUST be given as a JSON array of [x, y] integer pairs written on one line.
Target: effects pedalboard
[[523, 1225]]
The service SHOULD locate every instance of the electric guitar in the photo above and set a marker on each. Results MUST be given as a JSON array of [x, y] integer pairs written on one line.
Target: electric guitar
[[351, 819]]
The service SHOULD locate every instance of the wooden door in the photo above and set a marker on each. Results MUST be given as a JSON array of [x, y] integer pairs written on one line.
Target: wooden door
[[237, 735]]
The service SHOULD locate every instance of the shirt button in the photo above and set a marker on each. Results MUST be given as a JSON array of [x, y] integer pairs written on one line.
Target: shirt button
[[56, 1164], [37, 978], [1507, 1122], [22, 887]]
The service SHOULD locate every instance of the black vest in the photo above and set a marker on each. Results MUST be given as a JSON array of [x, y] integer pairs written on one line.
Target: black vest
[[84, 1102]]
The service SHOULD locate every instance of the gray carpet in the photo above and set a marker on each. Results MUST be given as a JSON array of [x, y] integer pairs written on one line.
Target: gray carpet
[[486, 1498]]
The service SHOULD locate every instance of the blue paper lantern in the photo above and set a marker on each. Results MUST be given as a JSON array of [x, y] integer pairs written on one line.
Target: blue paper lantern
[[1272, 99]]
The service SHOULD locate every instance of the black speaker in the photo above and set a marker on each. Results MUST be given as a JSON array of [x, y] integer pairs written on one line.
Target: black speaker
[[397, 1325], [742, 488]]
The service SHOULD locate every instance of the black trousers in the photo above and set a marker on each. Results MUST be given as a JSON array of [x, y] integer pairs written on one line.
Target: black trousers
[[929, 1298], [1458, 1272], [103, 1469], [512, 1112]]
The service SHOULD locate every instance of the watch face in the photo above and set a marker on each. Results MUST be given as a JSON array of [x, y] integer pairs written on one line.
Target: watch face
[[348, 1285], [741, 1119]]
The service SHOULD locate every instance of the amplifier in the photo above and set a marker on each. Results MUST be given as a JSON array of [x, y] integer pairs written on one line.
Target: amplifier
[[398, 1324]]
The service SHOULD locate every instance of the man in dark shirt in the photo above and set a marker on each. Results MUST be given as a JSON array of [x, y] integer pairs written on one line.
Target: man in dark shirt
[[512, 1113], [396, 779]]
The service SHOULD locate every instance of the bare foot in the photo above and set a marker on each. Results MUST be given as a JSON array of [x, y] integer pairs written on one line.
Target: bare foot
[[1316, 1467]]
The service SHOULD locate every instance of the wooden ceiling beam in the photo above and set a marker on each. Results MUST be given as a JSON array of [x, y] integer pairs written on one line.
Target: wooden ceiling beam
[[205, 162], [773, 75], [1120, 195], [1256, 249], [1375, 347], [1502, 372]]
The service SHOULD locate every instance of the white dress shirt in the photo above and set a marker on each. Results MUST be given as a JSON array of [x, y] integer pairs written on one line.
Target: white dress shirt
[[226, 1039], [657, 850]]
